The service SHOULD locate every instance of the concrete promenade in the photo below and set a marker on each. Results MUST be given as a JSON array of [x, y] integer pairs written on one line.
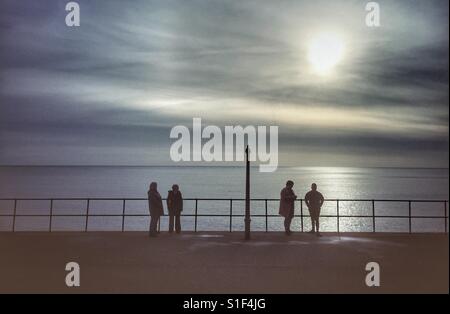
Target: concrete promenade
[[221, 262]]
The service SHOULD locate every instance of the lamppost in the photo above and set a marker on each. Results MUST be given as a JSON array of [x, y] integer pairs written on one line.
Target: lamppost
[[247, 195]]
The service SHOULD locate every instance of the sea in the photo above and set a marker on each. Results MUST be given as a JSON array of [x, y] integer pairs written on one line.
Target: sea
[[391, 188]]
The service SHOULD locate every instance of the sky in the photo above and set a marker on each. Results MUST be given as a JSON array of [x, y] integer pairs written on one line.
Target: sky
[[109, 91]]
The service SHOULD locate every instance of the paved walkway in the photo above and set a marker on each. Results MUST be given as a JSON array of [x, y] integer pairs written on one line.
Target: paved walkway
[[223, 262]]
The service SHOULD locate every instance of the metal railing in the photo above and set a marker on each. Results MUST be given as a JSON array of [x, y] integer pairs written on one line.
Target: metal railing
[[230, 215]]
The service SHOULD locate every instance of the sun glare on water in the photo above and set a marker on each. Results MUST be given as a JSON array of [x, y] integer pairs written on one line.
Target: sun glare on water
[[325, 51]]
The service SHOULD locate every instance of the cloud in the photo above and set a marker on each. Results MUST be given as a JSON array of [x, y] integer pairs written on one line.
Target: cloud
[[130, 73]]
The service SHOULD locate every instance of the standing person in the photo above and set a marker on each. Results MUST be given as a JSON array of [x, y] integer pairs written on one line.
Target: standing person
[[175, 207], [314, 200], [155, 207], [287, 199]]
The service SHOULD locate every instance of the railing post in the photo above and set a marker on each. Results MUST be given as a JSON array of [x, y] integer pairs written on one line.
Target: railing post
[[267, 215], [51, 216], [445, 216], [195, 217], [231, 214], [409, 216], [123, 216], [14, 217], [87, 215], [301, 213], [337, 214], [247, 219], [373, 216]]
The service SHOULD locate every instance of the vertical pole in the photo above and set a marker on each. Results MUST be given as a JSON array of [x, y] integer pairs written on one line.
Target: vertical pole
[[87, 215], [267, 215], [231, 215], [51, 216], [337, 211], [445, 216], [247, 195], [195, 217], [373, 216], [301, 213], [14, 217], [409, 216], [123, 215]]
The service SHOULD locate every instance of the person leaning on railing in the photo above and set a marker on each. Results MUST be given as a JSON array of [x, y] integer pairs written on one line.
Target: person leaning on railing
[[155, 207]]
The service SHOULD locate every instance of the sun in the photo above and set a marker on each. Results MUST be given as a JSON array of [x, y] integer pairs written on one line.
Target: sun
[[325, 51]]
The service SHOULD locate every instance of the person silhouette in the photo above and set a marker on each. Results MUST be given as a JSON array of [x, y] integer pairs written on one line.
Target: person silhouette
[[155, 207], [175, 207], [287, 199], [314, 200]]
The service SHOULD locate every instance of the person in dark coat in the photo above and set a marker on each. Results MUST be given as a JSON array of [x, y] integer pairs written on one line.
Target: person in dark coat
[[287, 199], [175, 207], [155, 207], [314, 200]]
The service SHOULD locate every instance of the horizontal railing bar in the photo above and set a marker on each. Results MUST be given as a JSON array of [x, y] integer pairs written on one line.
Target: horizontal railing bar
[[223, 199], [219, 215]]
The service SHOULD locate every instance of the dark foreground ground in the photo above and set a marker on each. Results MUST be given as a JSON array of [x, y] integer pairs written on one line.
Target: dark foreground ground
[[223, 263]]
